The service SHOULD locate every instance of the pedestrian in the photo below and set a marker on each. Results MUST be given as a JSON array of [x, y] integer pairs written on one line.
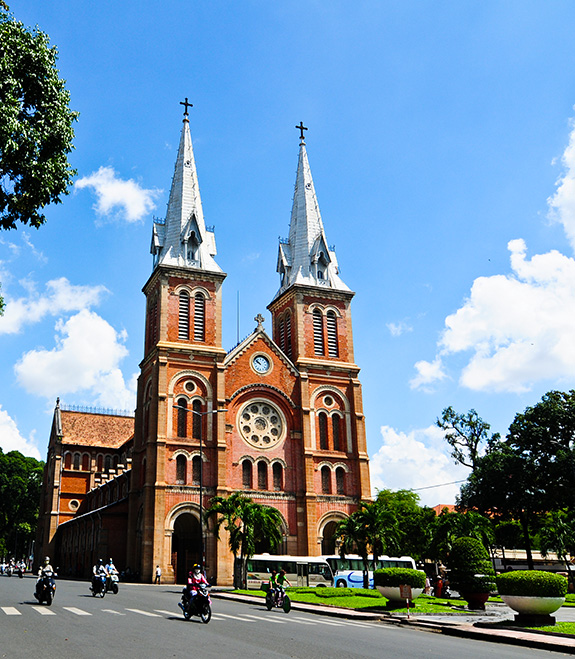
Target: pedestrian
[[158, 575]]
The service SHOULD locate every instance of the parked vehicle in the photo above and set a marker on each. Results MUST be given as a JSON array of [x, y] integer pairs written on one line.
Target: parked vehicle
[[46, 588], [198, 605], [348, 571], [301, 571], [98, 586], [277, 597]]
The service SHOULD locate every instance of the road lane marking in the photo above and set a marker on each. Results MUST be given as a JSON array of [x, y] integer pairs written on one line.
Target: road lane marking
[[301, 621], [118, 613], [44, 612], [76, 611], [144, 613], [168, 613], [274, 620], [225, 615], [10, 610]]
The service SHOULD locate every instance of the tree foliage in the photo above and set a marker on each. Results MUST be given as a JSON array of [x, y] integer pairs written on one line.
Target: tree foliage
[[35, 125], [20, 486]]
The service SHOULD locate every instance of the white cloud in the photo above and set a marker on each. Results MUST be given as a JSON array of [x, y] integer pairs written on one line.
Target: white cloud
[[85, 361], [397, 329], [59, 296], [414, 460], [12, 440], [427, 374], [562, 203], [118, 198]]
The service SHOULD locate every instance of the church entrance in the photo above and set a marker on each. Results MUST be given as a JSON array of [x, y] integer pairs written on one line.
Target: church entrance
[[328, 538], [186, 543]]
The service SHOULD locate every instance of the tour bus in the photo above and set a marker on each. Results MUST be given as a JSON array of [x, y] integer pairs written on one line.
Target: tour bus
[[348, 571], [300, 570]]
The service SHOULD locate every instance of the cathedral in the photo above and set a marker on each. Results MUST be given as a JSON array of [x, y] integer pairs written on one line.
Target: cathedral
[[279, 417]]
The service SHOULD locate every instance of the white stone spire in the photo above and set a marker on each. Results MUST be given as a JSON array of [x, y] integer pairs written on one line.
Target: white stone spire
[[182, 239], [305, 258]]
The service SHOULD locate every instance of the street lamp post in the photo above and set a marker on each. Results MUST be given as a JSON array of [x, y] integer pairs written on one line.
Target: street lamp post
[[200, 414]]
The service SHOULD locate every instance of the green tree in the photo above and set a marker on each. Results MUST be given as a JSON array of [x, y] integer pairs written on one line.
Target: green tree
[[20, 486], [452, 525], [557, 534], [247, 523], [466, 434]]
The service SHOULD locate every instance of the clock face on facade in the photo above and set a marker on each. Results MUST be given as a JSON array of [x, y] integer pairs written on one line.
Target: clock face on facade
[[261, 364], [261, 424]]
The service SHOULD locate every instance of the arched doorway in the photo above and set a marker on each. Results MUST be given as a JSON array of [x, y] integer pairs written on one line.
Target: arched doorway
[[328, 538], [186, 543]]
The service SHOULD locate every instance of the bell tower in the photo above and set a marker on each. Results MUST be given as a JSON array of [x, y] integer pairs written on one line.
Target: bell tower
[[180, 383]]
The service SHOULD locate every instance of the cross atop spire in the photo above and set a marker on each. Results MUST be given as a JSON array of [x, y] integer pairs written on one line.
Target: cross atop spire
[[186, 106], [260, 321], [301, 129]]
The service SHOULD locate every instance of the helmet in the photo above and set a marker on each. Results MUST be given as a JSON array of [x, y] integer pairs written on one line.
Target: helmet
[[110, 561], [100, 561], [46, 560]]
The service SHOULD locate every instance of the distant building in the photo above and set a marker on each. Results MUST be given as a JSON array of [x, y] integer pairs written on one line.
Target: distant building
[[290, 433]]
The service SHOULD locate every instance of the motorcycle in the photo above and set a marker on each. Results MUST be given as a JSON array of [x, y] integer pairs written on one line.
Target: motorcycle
[[198, 605], [98, 586], [9, 570], [278, 598], [112, 583], [20, 572], [46, 588]]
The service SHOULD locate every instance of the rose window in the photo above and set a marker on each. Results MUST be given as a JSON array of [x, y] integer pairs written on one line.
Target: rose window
[[261, 424]]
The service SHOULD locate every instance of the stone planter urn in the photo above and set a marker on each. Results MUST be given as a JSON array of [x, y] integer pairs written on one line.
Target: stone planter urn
[[475, 601], [531, 605], [392, 593]]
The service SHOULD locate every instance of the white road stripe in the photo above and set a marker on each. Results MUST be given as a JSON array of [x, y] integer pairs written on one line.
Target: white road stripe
[[10, 611], [144, 613], [44, 612], [78, 612], [355, 623], [168, 613], [225, 615], [267, 619], [301, 621], [118, 613]]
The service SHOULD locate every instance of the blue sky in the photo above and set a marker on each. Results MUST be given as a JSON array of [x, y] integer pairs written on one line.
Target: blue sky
[[442, 146]]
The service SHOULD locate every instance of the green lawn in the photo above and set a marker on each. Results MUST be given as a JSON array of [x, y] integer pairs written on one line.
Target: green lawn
[[558, 628]]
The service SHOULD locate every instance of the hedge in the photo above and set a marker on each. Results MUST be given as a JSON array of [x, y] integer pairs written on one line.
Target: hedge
[[534, 583], [399, 576], [471, 569]]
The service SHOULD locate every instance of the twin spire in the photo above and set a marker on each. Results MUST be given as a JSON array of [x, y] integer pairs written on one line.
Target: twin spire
[[183, 239]]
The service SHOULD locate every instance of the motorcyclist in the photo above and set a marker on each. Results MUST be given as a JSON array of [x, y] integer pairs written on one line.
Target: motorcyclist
[[195, 580], [110, 570], [98, 571], [46, 570], [273, 583], [282, 580]]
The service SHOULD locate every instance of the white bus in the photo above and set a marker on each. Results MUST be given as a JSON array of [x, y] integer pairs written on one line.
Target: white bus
[[348, 571], [300, 570]]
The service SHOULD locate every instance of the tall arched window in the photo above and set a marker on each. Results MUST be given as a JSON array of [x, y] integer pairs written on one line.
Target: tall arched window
[[181, 469], [332, 344], [182, 405], [318, 333], [288, 335], [340, 480], [262, 475], [277, 471], [107, 463], [199, 317], [76, 461], [197, 419], [184, 316], [85, 462], [282, 334], [336, 428], [322, 422], [326, 480], [68, 461], [100, 463], [196, 470], [247, 475]]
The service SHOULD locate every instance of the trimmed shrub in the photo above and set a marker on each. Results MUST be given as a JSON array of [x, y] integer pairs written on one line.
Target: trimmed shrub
[[471, 569], [533, 583], [399, 576]]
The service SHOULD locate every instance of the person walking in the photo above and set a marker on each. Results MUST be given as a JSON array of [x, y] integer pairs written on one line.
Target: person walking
[[158, 578]]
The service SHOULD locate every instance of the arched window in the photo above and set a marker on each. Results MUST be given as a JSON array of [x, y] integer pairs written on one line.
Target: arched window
[[318, 333], [332, 344], [85, 462], [68, 461], [199, 317], [288, 336], [181, 469], [184, 316], [322, 422], [182, 405], [100, 463], [326, 480], [247, 475], [262, 475], [196, 470], [336, 428], [197, 419], [277, 471], [282, 334], [340, 480], [107, 463], [76, 461], [116, 461]]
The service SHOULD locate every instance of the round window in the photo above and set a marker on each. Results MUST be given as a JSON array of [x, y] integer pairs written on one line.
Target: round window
[[328, 400], [261, 424], [74, 504], [190, 386]]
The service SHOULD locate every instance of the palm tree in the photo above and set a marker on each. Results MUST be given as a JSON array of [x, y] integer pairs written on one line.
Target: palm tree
[[247, 523]]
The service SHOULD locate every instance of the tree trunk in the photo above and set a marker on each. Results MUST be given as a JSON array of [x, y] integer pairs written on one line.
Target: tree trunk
[[524, 520]]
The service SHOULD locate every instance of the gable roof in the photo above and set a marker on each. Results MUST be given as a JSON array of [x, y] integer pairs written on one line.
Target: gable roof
[[97, 430], [259, 333]]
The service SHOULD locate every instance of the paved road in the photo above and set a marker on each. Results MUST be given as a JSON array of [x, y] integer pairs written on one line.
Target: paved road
[[144, 621]]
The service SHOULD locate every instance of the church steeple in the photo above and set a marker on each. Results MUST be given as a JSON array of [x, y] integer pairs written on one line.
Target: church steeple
[[305, 258], [183, 239]]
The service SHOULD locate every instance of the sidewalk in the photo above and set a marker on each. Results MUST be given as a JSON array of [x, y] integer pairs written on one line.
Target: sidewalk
[[480, 630]]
